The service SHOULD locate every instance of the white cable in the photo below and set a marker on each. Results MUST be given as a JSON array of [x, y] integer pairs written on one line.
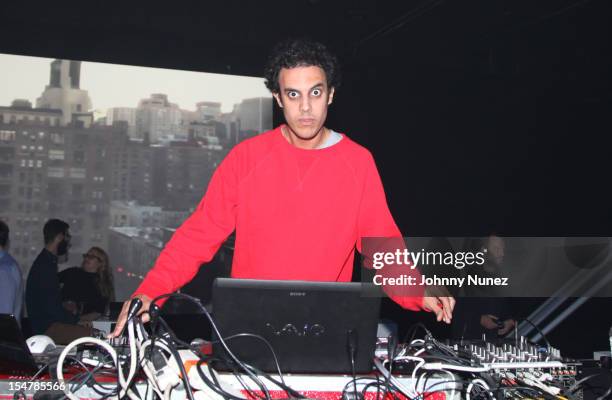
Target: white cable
[[170, 374], [414, 372], [140, 344], [420, 362], [161, 343], [405, 391], [152, 381], [440, 366], [482, 383], [141, 334], [168, 392], [452, 382], [133, 353], [64, 353]]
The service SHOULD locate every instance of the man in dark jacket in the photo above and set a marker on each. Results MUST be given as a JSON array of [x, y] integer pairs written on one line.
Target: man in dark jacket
[[43, 300]]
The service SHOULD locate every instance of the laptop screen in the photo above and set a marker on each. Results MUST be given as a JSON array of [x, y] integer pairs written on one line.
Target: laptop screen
[[307, 323]]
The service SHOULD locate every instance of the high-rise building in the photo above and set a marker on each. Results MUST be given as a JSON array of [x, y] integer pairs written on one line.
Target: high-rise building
[[64, 93], [255, 115], [123, 114], [131, 171], [49, 171], [157, 118], [208, 110], [181, 172]]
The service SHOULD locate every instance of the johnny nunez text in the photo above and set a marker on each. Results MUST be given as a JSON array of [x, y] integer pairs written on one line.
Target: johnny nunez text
[[469, 280]]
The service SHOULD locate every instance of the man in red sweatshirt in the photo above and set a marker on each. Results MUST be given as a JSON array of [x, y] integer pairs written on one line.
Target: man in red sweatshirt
[[300, 197]]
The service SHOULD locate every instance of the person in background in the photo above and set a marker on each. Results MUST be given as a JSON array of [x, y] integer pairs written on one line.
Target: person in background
[[43, 300], [482, 311], [11, 281], [301, 197], [88, 288]]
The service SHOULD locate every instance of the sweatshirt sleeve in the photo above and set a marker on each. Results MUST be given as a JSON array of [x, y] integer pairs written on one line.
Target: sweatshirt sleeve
[[375, 221], [197, 240]]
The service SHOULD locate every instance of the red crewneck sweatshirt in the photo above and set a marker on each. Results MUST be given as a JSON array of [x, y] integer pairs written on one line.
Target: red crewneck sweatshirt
[[298, 215]]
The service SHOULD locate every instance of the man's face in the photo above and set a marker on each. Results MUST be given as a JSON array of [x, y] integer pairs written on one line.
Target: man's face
[[64, 244], [304, 97]]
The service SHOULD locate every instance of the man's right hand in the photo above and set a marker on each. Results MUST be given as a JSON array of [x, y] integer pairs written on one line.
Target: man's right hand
[[122, 319]]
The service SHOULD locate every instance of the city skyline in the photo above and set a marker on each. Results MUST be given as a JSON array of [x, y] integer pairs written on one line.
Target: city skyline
[[118, 85], [121, 186]]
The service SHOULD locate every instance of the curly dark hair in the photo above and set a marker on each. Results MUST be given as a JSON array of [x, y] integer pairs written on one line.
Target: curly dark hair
[[293, 53]]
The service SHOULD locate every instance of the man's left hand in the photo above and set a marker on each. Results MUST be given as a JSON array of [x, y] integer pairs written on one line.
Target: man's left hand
[[508, 325], [438, 300]]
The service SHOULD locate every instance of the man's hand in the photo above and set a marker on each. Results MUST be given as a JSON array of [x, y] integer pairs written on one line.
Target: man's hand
[[508, 326], [438, 300], [71, 307], [489, 321], [89, 317], [122, 319]]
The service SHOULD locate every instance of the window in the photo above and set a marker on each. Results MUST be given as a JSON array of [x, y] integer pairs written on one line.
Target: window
[[55, 172], [77, 172], [56, 154], [57, 138], [7, 136]]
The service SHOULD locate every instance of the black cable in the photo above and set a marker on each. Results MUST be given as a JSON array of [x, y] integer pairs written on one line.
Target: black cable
[[349, 383], [235, 371], [40, 371], [530, 388], [367, 386], [90, 375], [216, 331], [607, 393], [87, 372], [413, 330], [291, 392], [391, 346], [267, 343], [579, 383], [217, 389], [540, 332], [237, 375], [177, 357], [424, 395], [352, 344]]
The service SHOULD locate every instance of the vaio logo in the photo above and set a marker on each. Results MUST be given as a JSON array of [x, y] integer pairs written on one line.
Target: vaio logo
[[292, 330]]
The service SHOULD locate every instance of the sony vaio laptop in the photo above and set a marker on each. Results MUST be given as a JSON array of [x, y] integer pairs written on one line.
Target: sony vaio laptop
[[310, 325]]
